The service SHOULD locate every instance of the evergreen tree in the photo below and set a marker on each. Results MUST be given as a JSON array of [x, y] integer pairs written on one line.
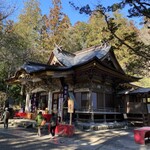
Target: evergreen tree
[[76, 37], [29, 28], [56, 24], [139, 48]]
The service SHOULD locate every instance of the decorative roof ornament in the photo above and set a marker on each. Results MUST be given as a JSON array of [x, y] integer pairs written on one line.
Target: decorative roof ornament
[[59, 48]]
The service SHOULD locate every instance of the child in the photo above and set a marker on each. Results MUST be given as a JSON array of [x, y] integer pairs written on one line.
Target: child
[[39, 118]]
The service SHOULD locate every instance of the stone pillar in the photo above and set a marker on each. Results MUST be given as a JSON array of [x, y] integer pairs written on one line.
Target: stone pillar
[[50, 102], [28, 103]]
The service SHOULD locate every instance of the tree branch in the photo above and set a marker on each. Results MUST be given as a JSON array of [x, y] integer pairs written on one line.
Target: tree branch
[[143, 54], [143, 13], [142, 3]]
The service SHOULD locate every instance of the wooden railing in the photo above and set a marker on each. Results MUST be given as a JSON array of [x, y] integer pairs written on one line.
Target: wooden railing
[[107, 109]]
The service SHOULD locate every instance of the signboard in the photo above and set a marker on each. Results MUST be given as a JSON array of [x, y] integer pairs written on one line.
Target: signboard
[[65, 92], [70, 106]]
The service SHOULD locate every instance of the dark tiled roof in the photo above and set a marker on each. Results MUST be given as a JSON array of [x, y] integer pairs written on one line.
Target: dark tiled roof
[[135, 91], [140, 90], [80, 57], [31, 67]]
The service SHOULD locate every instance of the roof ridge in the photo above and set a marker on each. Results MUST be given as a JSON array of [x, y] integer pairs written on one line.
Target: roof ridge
[[102, 46], [64, 51]]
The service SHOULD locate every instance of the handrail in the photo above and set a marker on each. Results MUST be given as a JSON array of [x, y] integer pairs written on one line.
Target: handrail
[[107, 109]]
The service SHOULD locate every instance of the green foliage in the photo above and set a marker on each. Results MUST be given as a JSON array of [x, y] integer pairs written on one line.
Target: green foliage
[[145, 82], [29, 28], [84, 35], [3, 97], [12, 50], [76, 37], [14, 93], [55, 26], [138, 8]]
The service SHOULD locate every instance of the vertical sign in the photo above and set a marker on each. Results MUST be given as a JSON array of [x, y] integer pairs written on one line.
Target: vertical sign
[[60, 107], [65, 92], [70, 106]]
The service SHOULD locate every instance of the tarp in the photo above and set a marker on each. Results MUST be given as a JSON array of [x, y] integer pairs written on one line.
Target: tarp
[[71, 95]]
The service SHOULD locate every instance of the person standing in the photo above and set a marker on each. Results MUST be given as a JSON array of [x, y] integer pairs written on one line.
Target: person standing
[[39, 118], [5, 117], [53, 124]]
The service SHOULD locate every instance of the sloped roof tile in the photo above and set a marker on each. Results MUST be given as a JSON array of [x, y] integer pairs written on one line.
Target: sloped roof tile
[[31, 67], [83, 56]]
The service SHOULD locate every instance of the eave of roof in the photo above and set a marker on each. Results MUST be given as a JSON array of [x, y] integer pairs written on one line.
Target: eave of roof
[[141, 90], [135, 91], [32, 67], [115, 72]]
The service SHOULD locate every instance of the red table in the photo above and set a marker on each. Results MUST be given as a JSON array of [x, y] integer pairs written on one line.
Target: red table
[[140, 134], [64, 130]]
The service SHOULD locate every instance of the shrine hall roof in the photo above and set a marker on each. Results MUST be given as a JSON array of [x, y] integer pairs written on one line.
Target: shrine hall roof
[[65, 62], [69, 59]]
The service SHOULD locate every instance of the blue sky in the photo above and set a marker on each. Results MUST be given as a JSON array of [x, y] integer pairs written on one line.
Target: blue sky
[[45, 7], [67, 9]]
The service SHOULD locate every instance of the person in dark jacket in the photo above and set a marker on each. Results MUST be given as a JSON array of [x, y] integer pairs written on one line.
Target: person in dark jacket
[[53, 124], [39, 118], [5, 117]]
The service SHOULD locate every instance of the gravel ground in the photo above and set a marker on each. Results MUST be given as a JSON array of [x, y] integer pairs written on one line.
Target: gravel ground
[[18, 138]]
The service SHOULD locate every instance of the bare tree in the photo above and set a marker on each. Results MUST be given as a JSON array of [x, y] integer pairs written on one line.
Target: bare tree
[[6, 9]]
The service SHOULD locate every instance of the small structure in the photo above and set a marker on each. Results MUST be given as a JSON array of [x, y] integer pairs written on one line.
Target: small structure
[[91, 77], [137, 105]]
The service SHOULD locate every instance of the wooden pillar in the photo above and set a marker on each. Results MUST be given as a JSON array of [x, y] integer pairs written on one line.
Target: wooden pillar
[[92, 116], [91, 106], [115, 118], [77, 117], [104, 103], [28, 103], [50, 102]]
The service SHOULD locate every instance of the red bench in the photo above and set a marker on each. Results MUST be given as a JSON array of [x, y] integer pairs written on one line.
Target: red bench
[[20, 115], [140, 134], [30, 116]]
